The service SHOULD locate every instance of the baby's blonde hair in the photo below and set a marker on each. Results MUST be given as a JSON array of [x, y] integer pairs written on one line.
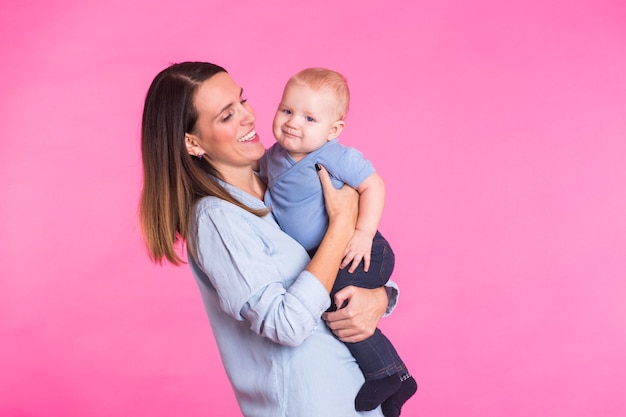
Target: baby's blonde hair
[[329, 80]]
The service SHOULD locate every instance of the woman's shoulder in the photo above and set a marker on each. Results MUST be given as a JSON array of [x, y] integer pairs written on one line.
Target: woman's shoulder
[[219, 222], [217, 214], [210, 206], [228, 218]]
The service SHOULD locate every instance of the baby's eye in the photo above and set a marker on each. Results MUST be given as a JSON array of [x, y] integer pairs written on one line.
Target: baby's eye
[[286, 111], [309, 119]]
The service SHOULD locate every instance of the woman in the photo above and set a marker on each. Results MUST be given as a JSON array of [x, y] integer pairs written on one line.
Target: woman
[[263, 294]]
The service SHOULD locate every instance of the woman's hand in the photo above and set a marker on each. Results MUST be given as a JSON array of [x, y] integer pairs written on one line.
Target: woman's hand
[[358, 320], [342, 204]]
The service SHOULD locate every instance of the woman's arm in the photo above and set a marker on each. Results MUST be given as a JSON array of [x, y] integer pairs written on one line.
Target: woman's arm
[[359, 319], [342, 209], [241, 262]]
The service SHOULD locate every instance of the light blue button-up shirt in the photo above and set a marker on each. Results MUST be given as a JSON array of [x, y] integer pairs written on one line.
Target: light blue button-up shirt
[[265, 310]]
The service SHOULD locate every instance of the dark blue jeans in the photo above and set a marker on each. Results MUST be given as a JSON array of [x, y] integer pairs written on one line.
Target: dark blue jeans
[[375, 355]]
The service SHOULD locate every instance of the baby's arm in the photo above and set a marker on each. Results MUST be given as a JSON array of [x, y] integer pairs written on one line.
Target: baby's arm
[[371, 203]]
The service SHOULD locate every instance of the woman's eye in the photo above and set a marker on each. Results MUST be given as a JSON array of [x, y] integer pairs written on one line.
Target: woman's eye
[[244, 100], [227, 117]]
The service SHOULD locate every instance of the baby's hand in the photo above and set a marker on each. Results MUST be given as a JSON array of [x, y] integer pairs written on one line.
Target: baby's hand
[[359, 248]]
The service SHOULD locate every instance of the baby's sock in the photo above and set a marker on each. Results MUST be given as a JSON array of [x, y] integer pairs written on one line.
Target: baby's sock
[[391, 406], [374, 392]]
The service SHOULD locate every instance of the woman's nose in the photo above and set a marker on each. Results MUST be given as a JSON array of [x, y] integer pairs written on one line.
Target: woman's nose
[[248, 115]]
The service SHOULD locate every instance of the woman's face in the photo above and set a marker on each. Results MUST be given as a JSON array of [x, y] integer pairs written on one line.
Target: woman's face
[[225, 130]]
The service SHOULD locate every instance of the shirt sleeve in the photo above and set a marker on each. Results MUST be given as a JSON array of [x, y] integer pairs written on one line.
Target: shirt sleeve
[[237, 259], [393, 295], [351, 167]]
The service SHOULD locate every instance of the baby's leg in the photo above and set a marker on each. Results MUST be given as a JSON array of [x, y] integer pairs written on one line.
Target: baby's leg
[[380, 364], [376, 355]]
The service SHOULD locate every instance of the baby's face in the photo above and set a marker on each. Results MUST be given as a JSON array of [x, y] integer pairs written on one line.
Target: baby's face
[[305, 120]]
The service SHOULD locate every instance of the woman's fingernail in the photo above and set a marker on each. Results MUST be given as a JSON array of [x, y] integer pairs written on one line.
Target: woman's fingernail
[[317, 166]]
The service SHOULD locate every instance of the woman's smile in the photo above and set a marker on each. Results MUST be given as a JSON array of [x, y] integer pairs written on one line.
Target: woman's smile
[[248, 137]]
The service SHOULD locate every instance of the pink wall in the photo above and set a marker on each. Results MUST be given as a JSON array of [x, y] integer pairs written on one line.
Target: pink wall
[[500, 130]]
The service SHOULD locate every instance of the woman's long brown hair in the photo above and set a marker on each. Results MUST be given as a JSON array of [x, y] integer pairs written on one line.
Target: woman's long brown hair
[[173, 180]]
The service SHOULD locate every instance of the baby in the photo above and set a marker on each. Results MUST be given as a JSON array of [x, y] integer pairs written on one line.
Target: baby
[[308, 121]]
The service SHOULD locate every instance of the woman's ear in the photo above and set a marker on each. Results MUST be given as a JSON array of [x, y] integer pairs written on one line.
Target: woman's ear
[[335, 129], [193, 148]]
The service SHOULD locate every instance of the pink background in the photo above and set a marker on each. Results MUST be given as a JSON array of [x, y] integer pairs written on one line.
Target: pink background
[[500, 130]]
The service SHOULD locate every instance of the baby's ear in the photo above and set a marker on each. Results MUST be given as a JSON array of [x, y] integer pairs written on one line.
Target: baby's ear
[[335, 129]]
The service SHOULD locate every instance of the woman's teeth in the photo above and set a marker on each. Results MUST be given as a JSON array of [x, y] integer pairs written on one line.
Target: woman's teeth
[[247, 137]]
